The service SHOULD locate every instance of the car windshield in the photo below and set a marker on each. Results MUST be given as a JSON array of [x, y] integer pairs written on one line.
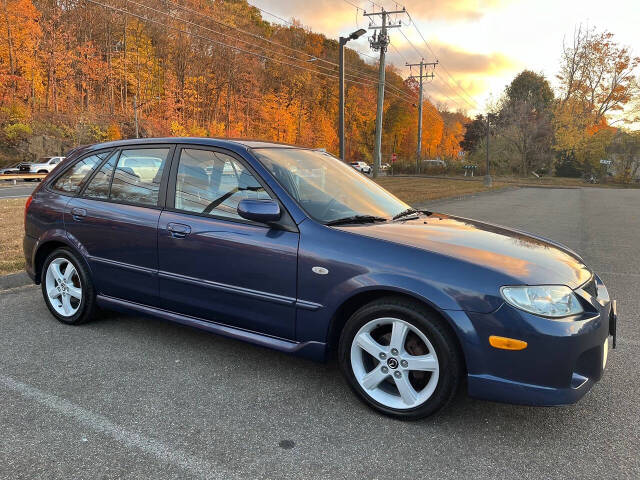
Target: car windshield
[[326, 188]]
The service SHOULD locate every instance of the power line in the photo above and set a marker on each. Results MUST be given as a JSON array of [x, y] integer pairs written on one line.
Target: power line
[[245, 41], [475, 105], [217, 42], [257, 36]]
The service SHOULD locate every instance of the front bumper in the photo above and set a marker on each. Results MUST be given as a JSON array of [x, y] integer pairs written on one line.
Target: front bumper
[[562, 361]]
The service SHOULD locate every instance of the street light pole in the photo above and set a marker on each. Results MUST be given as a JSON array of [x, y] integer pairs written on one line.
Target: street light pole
[[342, 42]]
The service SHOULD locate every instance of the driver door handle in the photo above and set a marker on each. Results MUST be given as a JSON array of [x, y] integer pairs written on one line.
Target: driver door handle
[[78, 213], [178, 230]]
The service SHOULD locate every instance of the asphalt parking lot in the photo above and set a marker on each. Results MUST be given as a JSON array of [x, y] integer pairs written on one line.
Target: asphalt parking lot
[[20, 190], [127, 397]]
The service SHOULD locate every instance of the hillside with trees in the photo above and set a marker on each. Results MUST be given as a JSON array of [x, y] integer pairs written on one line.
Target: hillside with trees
[[76, 70]]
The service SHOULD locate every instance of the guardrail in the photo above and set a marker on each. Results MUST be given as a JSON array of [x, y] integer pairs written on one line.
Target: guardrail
[[14, 177]]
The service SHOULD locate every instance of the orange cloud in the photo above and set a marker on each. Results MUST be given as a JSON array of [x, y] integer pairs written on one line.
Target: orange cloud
[[453, 9]]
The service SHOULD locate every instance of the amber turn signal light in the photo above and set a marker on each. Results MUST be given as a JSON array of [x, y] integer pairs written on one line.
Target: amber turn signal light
[[507, 343]]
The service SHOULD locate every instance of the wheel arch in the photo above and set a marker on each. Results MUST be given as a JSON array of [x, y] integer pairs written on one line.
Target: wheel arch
[[360, 299], [45, 249]]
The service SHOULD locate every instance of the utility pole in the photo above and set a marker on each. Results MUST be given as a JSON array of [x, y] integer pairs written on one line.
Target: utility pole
[[379, 42], [487, 176], [343, 41], [135, 113], [421, 77], [136, 107]]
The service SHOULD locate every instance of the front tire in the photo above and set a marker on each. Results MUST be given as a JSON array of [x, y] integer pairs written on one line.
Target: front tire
[[400, 358], [67, 287]]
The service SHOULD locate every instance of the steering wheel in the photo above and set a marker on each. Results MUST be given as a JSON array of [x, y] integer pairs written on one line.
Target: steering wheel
[[327, 209]]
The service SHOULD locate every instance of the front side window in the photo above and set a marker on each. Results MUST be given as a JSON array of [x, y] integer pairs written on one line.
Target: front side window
[[135, 178], [71, 181], [213, 183], [325, 187]]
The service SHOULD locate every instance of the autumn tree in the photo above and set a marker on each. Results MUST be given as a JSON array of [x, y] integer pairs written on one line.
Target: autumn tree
[[524, 120], [475, 132], [624, 149], [597, 75]]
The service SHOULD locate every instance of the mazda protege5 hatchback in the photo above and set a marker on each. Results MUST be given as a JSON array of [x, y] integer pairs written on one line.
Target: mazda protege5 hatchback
[[292, 249]]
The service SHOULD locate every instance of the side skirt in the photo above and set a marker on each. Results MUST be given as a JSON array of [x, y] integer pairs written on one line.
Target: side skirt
[[311, 350]]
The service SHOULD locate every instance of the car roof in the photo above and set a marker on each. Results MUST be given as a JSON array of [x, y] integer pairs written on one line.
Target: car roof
[[208, 141]]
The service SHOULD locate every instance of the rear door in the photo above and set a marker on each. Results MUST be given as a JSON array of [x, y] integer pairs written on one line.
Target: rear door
[[212, 263], [115, 219]]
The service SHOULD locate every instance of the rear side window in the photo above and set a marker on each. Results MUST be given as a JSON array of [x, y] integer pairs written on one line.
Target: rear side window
[[135, 179], [71, 181], [101, 183]]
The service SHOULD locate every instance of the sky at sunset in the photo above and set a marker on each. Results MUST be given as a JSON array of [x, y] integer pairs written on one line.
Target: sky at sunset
[[483, 44]]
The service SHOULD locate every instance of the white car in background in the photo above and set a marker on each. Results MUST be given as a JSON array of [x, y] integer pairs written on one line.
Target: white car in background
[[43, 165], [362, 167]]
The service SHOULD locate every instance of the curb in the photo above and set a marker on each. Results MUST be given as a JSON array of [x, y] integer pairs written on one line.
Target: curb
[[14, 280]]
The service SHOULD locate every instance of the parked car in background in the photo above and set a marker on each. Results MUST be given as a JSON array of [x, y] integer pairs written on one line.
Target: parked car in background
[[11, 169], [293, 250], [43, 165], [362, 167], [385, 167], [434, 163]]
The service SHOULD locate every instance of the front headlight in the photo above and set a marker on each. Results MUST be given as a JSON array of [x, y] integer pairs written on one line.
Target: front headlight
[[547, 300]]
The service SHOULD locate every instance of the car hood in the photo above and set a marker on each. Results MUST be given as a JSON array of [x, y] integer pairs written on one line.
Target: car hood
[[525, 258]]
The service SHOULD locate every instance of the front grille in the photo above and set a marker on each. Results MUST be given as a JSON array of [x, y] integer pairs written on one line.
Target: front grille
[[591, 288]]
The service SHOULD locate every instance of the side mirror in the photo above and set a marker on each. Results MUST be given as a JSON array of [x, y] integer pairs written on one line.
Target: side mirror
[[263, 211]]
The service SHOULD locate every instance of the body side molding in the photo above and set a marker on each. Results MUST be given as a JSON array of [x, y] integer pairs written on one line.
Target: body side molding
[[310, 349]]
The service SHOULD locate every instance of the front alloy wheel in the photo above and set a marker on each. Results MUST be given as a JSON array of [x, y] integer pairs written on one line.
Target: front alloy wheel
[[401, 358], [394, 363]]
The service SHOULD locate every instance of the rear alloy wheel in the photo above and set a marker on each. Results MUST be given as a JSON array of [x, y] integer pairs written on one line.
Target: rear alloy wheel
[[67, 287], [400, 358]]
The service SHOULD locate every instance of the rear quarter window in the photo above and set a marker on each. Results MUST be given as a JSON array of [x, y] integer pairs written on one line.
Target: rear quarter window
[[73, 178]]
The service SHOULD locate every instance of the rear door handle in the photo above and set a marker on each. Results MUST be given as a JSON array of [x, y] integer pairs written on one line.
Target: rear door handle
[[78, 213], [178, 230]]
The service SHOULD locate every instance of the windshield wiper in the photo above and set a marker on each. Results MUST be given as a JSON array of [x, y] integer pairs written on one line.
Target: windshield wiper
[[405, 213], [356, 219]]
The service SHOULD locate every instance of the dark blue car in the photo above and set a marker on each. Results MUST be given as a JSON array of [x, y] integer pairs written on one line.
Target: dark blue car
[[292, 249]]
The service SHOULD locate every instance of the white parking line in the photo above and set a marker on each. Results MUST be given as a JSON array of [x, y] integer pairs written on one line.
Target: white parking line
[[103, 425], [14, 196]]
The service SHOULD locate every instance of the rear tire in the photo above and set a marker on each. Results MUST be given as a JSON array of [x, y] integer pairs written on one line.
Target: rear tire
[[67, 287], [400, 358]]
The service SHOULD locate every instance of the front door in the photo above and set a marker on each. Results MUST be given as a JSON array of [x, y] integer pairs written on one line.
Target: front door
[[212, 263]]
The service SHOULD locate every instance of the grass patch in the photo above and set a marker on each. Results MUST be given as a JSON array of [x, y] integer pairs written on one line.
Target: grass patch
[[415, 190], [11, 233]]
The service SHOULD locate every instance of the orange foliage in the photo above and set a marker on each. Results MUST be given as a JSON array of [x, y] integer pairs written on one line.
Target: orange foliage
[[78, 62]]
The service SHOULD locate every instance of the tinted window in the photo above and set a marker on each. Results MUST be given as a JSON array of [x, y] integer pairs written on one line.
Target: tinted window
[[138, 174], [71, 180], [100, 184], [214, 183]]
